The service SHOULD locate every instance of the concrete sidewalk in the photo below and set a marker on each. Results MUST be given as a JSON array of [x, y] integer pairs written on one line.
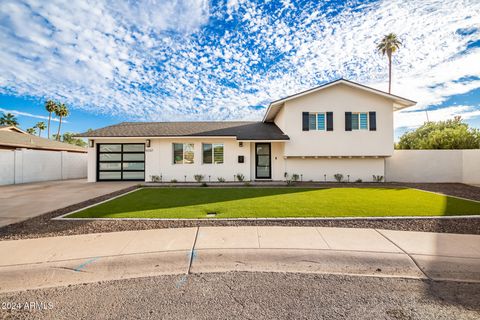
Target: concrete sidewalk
[[48, 262]]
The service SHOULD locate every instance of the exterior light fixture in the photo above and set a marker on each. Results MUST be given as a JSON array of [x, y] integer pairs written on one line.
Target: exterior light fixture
[[91, 143], [148, 143]]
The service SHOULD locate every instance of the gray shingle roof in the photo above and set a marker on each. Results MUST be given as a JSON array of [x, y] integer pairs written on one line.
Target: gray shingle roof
[[242, 130]]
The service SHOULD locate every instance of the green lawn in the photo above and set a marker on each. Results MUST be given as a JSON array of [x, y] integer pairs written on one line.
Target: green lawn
[[279, 202]]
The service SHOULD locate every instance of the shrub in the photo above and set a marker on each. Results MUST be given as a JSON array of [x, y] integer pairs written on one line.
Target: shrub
[[338, 177], [358, 181], [247, 183], [377, 178], [204, 184], [198, 177], [240, 177], [155, 178], [173, 181], [220, 179]]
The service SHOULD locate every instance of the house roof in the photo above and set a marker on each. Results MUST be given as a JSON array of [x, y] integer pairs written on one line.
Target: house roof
[[12, 139], [399, 102], [242, 130], [12, 128]]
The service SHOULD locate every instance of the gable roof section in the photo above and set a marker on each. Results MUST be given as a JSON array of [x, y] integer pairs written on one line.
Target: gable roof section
[[12, 129], [399, 102], [13, 139], [242, 130]]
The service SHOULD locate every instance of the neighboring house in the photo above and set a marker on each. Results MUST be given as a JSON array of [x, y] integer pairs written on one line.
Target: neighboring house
[[12, 138], [340, 127]]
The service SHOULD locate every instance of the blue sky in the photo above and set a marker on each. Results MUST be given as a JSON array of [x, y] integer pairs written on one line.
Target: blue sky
[[113, 61]]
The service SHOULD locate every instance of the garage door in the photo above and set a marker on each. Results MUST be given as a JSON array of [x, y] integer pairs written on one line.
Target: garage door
[[120, 161]]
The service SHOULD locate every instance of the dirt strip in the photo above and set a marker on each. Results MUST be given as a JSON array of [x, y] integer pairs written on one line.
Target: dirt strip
[[43, 226]]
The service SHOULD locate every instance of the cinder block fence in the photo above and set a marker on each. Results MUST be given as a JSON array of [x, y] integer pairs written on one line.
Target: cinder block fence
[[461, 166], [25, 165]]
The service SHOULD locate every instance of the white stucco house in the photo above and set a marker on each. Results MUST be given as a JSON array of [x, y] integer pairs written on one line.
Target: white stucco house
[[339, 127]]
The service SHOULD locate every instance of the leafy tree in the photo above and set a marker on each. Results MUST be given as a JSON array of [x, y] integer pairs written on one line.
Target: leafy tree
[[450, 134], [40, 126], [68, 137], [61, 112], [50, 106], [389, 45], [8, 119], [32, 131]]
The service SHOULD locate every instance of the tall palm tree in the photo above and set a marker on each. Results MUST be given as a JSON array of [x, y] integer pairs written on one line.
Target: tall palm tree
[[31, 131], [40, 126], [61, 112], [8, 119], [51, 106], [389, 45]]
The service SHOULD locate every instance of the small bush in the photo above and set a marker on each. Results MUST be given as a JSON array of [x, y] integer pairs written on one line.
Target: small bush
[[358, 181], [240, 177], [220, 179], [199, 177], [338, 177], [247, 183], [155, 178], [173, 181], [377, 178], [204, 184]]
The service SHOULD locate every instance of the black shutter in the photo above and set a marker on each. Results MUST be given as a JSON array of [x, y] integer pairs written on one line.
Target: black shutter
[[372, 119], [305, 121], [348, 121], [329, 121]]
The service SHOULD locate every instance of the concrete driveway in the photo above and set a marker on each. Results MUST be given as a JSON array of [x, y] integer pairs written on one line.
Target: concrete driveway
[[23, 201]]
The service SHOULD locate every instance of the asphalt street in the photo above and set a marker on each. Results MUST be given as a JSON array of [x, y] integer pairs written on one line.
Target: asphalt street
[[243, 295]]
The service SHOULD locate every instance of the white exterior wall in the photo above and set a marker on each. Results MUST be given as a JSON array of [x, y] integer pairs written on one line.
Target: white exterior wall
[[316, 169], [434, 166], [23, 166], [159, 161], [337, 99]]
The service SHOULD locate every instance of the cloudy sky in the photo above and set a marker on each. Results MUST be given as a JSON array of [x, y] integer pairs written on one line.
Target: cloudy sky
[[167, 60]]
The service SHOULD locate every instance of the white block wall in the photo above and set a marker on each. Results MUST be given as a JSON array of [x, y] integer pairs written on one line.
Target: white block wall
[[461, 166], [23, 166]]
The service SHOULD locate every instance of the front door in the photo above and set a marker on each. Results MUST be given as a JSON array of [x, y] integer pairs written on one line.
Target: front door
[[263, 163]]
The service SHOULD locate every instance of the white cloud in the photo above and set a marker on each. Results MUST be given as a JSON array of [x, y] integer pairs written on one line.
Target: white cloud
[[31, 115], [186, 60], [412, 119]]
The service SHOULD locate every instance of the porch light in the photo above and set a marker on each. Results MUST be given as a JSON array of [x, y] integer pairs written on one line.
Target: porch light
[[147, 143], [91, 143]]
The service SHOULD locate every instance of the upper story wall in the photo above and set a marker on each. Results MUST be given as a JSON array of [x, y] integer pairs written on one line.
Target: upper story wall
[[338, 99]]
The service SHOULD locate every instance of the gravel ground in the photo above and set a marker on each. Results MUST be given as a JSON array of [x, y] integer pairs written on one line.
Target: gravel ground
[[43, 226], [253, 296]]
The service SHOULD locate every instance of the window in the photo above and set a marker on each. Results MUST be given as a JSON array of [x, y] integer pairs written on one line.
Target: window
[[316, 121], [212, 153], [359, 121], [182, 153]]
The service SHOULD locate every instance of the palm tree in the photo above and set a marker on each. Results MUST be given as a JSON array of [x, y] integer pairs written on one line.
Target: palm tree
[[31, 131], [8, 119], [40, 126], [389, 45], [61, 112], [51, 106]]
